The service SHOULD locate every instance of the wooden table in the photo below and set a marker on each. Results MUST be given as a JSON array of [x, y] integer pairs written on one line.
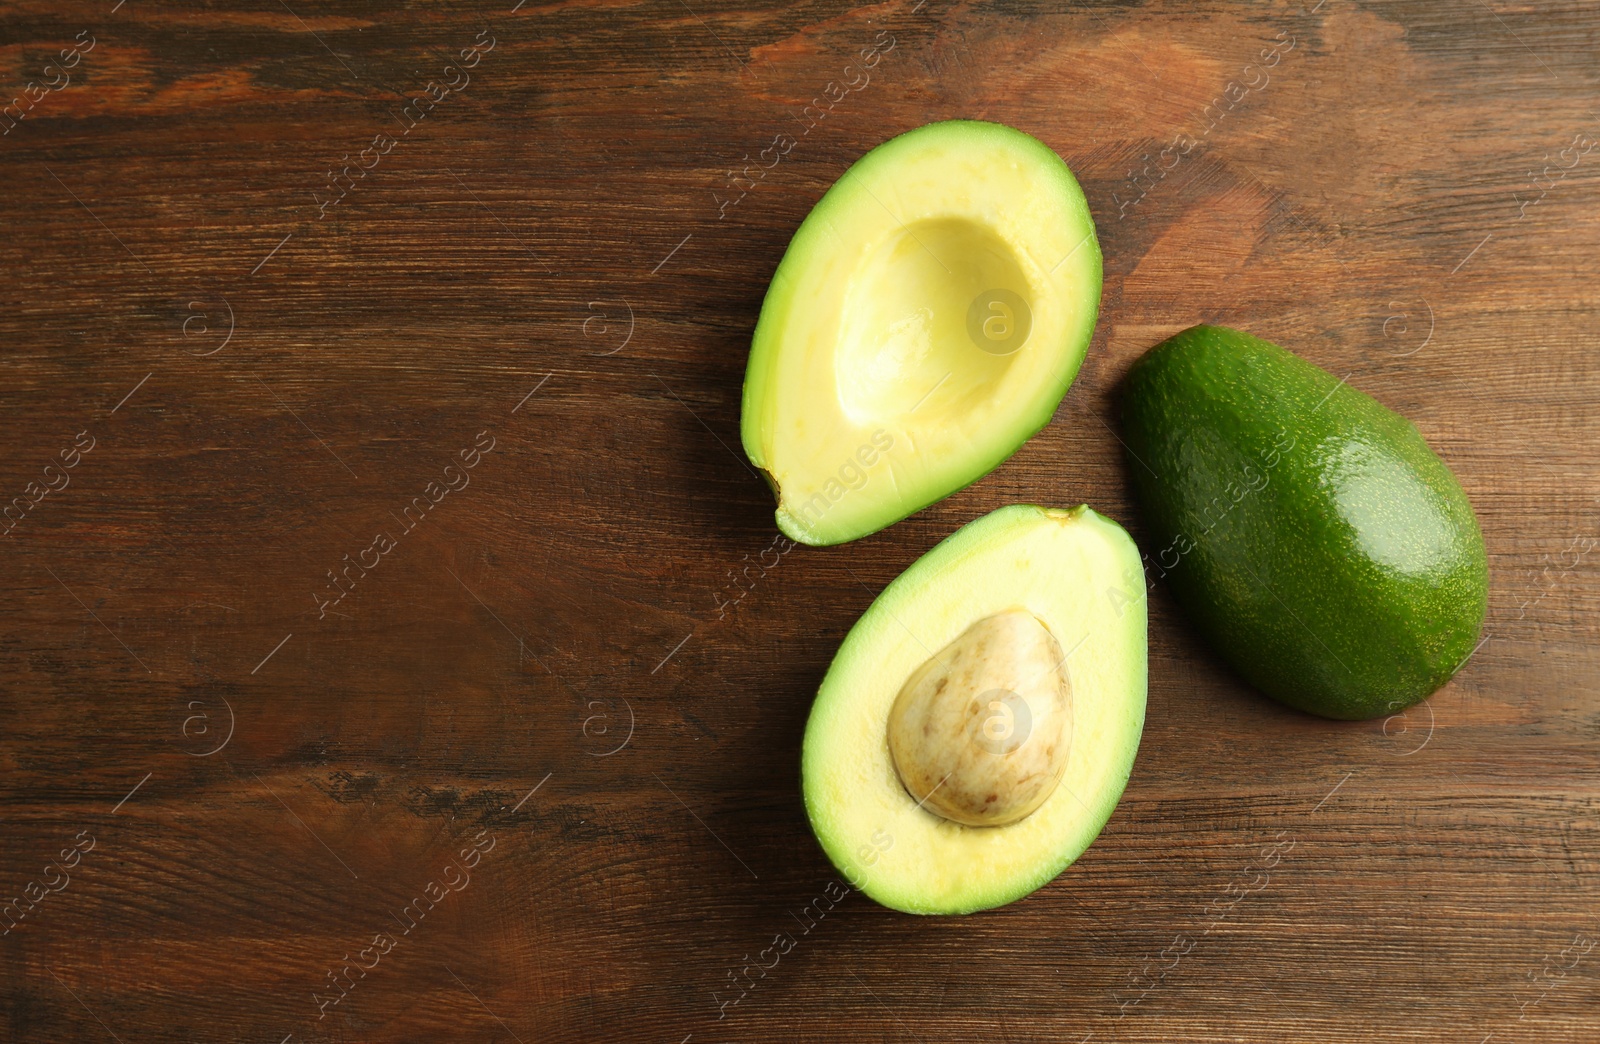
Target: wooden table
[[405, 580]]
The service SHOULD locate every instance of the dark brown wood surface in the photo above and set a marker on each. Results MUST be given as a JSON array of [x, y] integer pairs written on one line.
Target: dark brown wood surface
[[582, 660]]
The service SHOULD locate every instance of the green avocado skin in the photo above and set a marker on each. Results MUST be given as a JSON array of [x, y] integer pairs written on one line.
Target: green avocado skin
[[1313, 537]]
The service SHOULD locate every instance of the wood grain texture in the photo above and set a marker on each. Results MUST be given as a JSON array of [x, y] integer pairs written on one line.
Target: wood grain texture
[[268, 382]]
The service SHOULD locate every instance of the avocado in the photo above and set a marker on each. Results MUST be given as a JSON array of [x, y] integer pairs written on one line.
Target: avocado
[[1316, 541], [925, 321], [979, 721]]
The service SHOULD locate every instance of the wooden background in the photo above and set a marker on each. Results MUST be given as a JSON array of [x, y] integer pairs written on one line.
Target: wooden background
[[557, 659]]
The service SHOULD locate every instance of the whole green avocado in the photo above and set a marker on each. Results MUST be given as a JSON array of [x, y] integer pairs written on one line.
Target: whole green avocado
[[1312, 535]]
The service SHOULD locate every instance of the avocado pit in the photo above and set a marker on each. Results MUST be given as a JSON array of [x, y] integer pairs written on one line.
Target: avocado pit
[[980, 732]]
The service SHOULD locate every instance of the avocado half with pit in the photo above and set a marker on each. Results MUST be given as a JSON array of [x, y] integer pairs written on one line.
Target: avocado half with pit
[[926, 320], [978, 724]]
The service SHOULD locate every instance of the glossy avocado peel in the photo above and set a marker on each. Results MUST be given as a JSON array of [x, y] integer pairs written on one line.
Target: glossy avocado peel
[[1309, 532]]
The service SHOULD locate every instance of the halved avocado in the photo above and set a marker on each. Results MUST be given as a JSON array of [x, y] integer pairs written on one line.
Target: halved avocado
[[926, 320], [1009, 659]]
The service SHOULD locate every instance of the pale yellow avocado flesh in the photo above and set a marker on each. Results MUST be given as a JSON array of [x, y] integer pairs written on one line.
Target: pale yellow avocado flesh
[[1081, 575], [870, 393]]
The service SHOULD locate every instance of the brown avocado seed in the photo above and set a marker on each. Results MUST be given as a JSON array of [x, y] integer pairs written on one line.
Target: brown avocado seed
[[979, 733]]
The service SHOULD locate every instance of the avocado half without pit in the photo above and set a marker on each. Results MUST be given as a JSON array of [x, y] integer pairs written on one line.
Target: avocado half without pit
[[978, 724], [929, 315]]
